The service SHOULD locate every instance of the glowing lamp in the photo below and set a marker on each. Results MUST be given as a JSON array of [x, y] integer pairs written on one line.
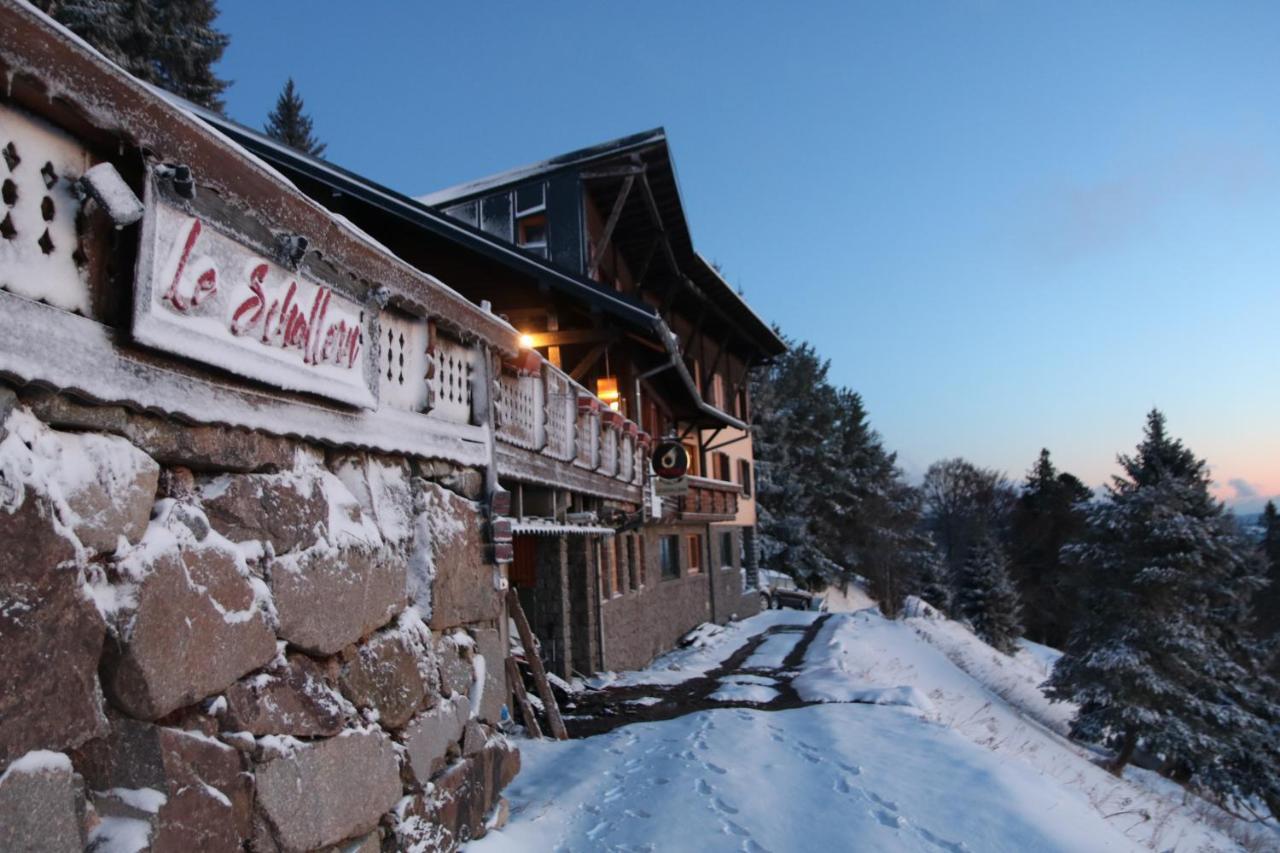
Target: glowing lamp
[[526, 341], [607, 390]]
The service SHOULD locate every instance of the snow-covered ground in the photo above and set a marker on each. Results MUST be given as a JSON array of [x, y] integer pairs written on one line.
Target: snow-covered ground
[[959, 753]]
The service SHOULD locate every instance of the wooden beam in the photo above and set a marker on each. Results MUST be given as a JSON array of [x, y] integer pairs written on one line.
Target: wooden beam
[[522, 698], [715, 363], [648, 259], [588, 362], [597, 251], [535, 664], [612, 172]]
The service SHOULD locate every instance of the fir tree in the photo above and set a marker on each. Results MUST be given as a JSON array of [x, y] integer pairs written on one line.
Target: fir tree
[[1266, 603], [1157, 657], [291, 125], [170, 43], [931, 581], [1050, 512], [986, 598]]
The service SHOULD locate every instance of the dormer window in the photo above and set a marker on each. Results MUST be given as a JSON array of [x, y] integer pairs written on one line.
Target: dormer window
[[531, 218]]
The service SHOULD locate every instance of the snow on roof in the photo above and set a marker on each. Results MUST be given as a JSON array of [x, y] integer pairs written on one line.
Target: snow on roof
[[547, 527]]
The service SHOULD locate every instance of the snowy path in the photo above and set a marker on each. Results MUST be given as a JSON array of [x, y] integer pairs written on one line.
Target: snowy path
[[942, 764]]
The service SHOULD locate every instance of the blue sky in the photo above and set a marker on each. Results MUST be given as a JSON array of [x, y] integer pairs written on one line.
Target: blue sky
[[1008, 224]]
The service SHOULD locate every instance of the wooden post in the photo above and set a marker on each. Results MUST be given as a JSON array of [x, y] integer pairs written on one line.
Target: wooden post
[[522, 698], [535, 664]]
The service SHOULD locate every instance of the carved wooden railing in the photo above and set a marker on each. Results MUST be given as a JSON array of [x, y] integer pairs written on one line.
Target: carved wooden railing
[[541, 409]]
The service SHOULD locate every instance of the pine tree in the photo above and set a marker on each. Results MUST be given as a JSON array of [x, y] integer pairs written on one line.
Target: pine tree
[[1050, 512], [289, 124], [1157, 657], [986, 598], [170, 43], [1266, 602], [931, 581]]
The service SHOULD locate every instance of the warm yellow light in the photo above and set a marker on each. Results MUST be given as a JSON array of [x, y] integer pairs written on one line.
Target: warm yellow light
[[616, 405], [526, 341], [607, 390]]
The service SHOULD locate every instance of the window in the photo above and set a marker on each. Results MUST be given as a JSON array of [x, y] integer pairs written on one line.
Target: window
[[744, 477], [740, 404], [638, 541], [633, 567], [606, 574], [724, 470], [670, 557], [531, 233], [619, 565], [695, 553], [717, 391], [726, 550]]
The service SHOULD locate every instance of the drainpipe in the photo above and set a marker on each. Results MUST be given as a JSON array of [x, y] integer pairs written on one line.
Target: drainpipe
[[672, 347]]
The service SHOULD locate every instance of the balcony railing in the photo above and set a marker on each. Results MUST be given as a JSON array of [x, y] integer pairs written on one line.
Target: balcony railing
[[541, 409], [709, 500]]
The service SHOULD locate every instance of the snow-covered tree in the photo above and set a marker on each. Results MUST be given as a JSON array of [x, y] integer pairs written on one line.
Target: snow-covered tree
[[171, 43], [830, 498], [930, 576], [1051, 511], [1266, 602], [290, 124], [1158, 656], [985, 596]]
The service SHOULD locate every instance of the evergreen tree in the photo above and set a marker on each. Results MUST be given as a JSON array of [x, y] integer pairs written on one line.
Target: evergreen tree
[[291, 125], [830, 499], [930, 578], [1050, 512], [794, 412], [986, 598], [1157, 656], [170, 43], [1266, 602]]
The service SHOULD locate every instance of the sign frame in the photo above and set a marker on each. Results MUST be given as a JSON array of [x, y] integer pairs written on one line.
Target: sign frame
[[216, 291]]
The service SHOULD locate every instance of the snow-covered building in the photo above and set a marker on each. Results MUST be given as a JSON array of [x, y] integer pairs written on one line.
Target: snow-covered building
[[275, 442], [628, 336]]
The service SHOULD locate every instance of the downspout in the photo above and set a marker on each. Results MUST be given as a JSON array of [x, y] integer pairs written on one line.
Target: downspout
[[674, 359]]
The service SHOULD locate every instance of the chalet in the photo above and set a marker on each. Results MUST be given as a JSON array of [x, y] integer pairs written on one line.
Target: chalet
[[284, 453], [589, 256]]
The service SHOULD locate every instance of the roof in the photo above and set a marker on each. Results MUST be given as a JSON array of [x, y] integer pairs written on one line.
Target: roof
[[583, 156], [361, 188], [651, 150]]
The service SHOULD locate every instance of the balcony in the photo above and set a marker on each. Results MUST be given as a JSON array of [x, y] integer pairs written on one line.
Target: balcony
[[552, 430], [708, 500]]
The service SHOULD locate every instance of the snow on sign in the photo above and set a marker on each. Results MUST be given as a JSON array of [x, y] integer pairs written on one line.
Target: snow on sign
[[206, 296]]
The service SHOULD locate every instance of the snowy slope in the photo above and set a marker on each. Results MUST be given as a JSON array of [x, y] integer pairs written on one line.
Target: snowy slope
[[942, 763]]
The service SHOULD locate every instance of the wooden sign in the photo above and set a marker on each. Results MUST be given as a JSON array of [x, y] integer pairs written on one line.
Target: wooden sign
[[204, 294]]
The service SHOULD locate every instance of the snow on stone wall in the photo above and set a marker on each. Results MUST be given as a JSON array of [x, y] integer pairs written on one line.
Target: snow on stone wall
[[225, 641]]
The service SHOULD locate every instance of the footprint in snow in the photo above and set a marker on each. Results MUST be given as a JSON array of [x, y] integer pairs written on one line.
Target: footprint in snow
[[640, 813], [613, 794], [598, 830], [723, 807], [662, 780], [750, 846], [734, 828], [851, 769], [702, 787], [842, 786], [889, 819], [944, 844], [888, 804], [714, 768]]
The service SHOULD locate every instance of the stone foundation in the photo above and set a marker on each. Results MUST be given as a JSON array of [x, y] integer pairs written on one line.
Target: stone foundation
[[220, 640]]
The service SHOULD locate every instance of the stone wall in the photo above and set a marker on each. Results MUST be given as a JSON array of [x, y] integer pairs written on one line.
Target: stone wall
[[729, 599], [216, 639]]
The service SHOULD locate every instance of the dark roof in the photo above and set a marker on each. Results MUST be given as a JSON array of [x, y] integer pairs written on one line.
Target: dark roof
[[636, 226], [364, 190]]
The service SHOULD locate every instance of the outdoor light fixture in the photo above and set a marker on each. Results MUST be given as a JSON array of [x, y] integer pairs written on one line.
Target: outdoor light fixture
[[607, 390], [526, 341]]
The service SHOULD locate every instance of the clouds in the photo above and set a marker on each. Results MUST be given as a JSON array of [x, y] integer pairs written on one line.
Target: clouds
[[1078, 218], [1244, 490]]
